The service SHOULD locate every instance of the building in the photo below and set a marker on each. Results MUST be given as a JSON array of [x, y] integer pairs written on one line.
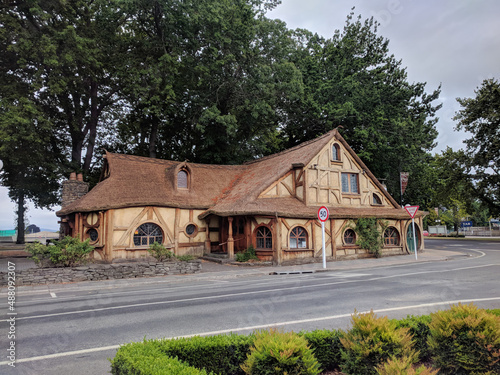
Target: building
[[271, 203]]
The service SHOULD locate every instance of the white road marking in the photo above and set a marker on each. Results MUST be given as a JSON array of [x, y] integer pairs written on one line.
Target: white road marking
[[252, 328], [240, 294], [53, 295]]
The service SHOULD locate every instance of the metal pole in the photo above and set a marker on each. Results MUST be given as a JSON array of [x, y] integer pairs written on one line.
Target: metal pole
[[414, 237], [323, 242], [401, 189]]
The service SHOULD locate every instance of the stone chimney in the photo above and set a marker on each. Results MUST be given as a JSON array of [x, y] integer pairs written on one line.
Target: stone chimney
[[73, 189]]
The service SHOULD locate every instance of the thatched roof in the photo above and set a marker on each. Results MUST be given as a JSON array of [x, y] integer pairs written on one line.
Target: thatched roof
[[224, 190]]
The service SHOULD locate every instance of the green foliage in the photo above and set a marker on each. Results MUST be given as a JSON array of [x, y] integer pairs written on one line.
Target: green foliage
[[353, 80], [326, 346], [38, 251], [465, 340], [480, 163], [403, 366], [160, 252], [493, 311], [371, 341], [68, 252], [222, 354], [147, 359], [185, 258], [419, 330], [280, 353], [370, 234], [246, 255], [372, 346]]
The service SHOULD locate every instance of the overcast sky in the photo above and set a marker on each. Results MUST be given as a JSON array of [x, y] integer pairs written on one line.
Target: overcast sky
[[455, 43]]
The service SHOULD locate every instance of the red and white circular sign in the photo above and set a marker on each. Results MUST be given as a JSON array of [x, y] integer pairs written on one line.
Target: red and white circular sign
[[323, 214]]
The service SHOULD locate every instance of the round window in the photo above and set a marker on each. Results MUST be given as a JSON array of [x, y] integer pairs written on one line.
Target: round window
[[93, 235], [191, 229]]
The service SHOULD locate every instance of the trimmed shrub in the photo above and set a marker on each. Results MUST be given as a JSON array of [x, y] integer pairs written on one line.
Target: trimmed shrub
[[372, 341], [222, 354], [67, 252], [403, 366], [160, 252], [326, 347], [146, 359], [495, 312], [246, 255], [419, 330], [465, 340], [280, 353]]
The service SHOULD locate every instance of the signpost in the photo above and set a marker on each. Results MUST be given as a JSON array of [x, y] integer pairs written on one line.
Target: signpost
[[323, 216], [412, 210]]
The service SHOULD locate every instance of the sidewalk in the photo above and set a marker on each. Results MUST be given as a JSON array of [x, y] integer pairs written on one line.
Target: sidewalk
[[214, 271]]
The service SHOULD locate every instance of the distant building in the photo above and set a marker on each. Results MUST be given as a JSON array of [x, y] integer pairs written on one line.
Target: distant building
[[270, 203]]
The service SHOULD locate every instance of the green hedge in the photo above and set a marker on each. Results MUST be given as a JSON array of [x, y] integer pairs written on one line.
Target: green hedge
[[146, 359], [419, 329], [326, 347], [224, 354]]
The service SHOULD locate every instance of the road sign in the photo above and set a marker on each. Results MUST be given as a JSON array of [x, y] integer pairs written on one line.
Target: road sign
[[323, 214], [412, 210], [465, 224]]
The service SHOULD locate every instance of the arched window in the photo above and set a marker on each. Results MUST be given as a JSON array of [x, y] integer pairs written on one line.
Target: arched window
[[147, 234], [264, 238], [349, 237], [298, 238], [376, 199], [391, 237], [182, 179], [336, 152]]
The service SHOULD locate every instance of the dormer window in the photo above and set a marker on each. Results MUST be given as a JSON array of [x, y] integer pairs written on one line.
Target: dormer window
[[335, 152], [182, 179]]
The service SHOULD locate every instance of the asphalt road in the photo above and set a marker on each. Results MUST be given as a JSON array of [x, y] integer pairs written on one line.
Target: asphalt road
[[74, 331]]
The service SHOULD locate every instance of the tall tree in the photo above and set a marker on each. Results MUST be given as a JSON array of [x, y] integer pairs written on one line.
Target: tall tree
[[30, 159], [65, 53], [353, 81], [480, 162], [214, 83]]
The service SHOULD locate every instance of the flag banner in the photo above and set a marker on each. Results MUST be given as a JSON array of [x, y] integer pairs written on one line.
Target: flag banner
[[404, 181]]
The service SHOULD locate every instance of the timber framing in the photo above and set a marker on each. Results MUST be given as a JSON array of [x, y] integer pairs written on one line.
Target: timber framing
[[197, 208]]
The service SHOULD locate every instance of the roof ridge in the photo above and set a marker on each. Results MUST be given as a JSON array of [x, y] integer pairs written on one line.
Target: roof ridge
[[294, 148], [147, 159]]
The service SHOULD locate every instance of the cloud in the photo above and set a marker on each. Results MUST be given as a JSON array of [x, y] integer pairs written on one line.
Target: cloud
[[450, 42]]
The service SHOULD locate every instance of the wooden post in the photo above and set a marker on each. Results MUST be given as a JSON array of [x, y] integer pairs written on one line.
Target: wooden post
[[107, 225], [176, 230], [334, 239], [208, 243], [278, 247], [230, 240]]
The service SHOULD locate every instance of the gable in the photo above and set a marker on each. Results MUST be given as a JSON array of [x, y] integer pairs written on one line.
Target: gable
[[336, 176]]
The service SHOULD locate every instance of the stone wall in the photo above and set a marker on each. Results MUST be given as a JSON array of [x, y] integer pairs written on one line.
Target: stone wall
[[95, 272]]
